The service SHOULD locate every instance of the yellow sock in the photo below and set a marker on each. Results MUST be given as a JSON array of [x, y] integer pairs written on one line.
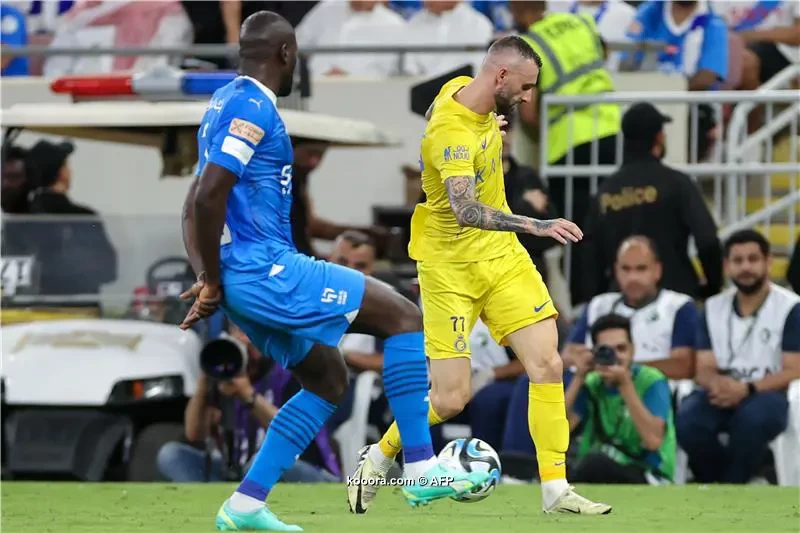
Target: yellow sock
[[390, 443], [547, 422]]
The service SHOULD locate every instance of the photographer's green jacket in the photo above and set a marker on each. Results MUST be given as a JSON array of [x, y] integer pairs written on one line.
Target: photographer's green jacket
[[609, 428]]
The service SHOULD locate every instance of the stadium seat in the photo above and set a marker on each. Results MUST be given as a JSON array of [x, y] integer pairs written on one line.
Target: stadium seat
[[352, 434]]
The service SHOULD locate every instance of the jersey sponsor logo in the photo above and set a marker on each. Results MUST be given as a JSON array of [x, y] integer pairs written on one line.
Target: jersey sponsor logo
[[540, 307], [246, 130], [256, 102], [330, 296], [628, 197], [457, 153]]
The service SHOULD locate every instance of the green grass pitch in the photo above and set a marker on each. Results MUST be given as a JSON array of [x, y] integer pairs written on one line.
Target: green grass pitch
[[146, 508]]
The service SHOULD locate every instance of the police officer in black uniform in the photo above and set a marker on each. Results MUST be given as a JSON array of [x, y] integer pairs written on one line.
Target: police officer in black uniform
[[646, 197]]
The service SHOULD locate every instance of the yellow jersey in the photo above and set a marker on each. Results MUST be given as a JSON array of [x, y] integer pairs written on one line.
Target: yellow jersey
[[459, 142]]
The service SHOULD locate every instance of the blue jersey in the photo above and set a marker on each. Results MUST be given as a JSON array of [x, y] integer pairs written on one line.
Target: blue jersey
[[700, 43], [284, 301], [243, 132], [13, 33]]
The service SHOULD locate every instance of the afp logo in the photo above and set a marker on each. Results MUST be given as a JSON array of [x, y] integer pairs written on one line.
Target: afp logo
[[459, 153]]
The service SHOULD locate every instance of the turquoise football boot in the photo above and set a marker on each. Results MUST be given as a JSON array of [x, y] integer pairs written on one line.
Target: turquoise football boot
[[440, 482], [261, 520]]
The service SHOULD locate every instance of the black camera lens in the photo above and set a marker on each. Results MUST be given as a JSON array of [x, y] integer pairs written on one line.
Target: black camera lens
[[222, 359], [605, 355]]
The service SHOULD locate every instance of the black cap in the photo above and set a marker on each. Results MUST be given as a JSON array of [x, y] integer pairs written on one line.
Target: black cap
[[48, 158], [642, 122]]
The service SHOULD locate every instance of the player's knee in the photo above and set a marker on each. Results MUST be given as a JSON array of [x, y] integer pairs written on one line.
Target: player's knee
[[451, 402], [337, 381], [546, 367], [409, 317]]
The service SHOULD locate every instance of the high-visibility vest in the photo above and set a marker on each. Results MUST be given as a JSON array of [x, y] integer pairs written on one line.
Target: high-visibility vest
[[573, 63]]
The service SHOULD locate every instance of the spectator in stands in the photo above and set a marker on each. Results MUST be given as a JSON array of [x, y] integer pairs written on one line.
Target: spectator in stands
[[771, 29], [361, 352], [451, 22], [355, 23], [219, 22], [257, 394], [628, 434], [306, 225], [612, 17], [76, 254], [663, 321], [748, 352], [646, 197], [696, 39], [495, 371], [573, 64], [16, 180], [793, 272], [13, 33], [110, 24]]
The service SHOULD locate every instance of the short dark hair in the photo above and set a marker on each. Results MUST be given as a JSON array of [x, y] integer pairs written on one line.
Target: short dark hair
[[611, 321], [357, 238], [516, 44], [746, 236]]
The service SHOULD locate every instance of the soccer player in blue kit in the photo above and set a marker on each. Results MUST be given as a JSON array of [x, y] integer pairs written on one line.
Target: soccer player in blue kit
[[295, 309]]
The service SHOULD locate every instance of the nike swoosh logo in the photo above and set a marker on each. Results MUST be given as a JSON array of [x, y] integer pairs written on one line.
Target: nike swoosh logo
[[539, 308]]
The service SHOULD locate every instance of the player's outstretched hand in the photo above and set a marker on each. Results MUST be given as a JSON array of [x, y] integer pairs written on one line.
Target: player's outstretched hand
[[502, 123], [206, 301], [559, 229]]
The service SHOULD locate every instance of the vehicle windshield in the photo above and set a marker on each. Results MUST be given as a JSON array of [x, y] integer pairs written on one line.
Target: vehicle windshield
[[69, 266]]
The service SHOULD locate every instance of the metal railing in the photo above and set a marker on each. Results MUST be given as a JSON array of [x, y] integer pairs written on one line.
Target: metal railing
[[728, 175]]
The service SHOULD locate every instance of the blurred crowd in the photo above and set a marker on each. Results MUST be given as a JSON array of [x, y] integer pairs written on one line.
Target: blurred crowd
[[661, 356], [714, 43]]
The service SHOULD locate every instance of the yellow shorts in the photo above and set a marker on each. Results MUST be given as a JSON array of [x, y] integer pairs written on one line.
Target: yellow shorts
[[507, 293]]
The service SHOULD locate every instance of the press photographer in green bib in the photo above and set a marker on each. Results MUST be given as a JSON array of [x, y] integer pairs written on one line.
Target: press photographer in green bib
[[625, 410]]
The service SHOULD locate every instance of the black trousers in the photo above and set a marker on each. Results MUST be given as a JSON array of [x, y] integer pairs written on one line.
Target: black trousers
[[581, 197], [597, 467]]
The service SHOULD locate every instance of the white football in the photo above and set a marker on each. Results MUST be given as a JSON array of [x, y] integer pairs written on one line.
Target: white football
[[473, 455]]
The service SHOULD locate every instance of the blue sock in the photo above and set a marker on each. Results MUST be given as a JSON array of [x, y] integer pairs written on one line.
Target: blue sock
[[291, 431], [405, 380]]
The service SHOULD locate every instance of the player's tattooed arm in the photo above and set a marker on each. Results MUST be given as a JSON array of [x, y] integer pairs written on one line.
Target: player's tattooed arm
[[469, 212]]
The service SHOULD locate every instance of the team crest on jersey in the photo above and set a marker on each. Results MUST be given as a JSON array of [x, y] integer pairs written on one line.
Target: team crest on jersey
[[246, 130], [459, 153], [460, 345]]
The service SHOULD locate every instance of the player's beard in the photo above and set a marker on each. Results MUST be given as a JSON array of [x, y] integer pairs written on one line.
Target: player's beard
[[750, 288], [503, 103]]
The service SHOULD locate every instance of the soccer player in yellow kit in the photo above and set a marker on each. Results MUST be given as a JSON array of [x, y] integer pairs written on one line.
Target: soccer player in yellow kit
[[470, 263]]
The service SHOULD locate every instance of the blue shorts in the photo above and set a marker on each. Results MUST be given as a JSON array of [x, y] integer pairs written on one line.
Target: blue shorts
[[298, 302]]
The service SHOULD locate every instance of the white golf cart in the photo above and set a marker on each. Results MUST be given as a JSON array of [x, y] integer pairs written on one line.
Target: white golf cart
[[91, 387]]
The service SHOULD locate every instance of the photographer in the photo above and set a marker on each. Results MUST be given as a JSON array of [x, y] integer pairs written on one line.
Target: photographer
[[252, 397], [628, 434]]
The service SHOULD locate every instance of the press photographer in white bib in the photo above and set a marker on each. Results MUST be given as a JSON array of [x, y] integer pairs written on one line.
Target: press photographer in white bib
[[748, 352]]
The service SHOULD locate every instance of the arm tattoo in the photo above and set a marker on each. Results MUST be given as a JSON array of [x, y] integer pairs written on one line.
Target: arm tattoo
[[470, 212]]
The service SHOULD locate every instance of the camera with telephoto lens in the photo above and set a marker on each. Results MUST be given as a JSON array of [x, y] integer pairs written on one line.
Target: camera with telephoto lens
[[224, 358], [604, 355], [221, 360]]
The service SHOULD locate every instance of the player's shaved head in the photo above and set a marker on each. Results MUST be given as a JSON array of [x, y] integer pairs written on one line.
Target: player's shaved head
[[513, 68], [268, 49]]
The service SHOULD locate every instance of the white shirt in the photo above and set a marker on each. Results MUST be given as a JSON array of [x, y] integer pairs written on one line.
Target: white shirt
[[737, 13], [333, 23], [652, 326], [462, 25], [749, 347], [486, 353], [612, 18]]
